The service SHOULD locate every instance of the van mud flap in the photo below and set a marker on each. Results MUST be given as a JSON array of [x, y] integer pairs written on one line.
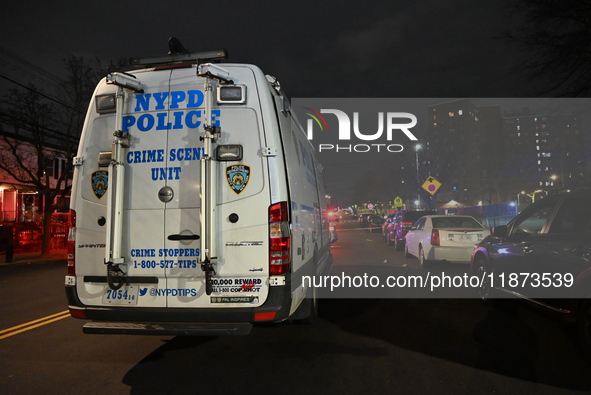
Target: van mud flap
[[168, 328]]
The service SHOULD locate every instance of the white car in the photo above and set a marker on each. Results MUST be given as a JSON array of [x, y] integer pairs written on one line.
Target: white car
[[449, 238]]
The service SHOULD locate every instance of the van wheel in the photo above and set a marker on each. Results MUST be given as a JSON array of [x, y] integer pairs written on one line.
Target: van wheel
[[397, 244], [307, 312]]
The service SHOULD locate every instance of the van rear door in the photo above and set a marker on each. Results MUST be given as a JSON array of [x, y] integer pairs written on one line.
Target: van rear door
[[143, 213], [242, 196]]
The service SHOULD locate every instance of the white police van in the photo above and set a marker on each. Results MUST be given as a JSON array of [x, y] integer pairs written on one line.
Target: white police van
[[198, 203]]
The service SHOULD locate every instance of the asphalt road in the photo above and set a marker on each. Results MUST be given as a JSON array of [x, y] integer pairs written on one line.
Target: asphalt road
[[360, 345]]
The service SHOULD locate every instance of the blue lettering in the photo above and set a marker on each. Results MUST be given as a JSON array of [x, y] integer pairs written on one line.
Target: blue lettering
[[178, 120], [142, 102], [186, 154], [198, 152], [160, 98], [161, 121], [214, 117], [166, 173], [145, 122], [176, 98], [145, 156], [195, 99], [128, 121], [189, 121]]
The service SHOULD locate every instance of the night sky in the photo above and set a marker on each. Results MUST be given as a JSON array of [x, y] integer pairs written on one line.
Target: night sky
[[317, 49]]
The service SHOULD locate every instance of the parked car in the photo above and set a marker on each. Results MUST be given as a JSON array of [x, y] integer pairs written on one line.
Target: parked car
[[387, 222], [403, 221], [449, 238], [363, 218], [374, 222], [544, 256]]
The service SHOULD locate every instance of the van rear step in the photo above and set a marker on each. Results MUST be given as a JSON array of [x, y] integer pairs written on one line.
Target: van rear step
[[169, 328]]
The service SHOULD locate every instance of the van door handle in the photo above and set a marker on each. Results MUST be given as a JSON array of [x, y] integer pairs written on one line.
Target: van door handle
[[183, 237]]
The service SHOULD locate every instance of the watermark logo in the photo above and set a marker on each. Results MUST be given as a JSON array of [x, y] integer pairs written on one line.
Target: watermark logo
[[316, 116], [391, 125]]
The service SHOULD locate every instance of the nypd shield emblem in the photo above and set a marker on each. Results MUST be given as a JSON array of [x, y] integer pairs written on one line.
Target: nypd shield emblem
[[99, 183], [238, 176]]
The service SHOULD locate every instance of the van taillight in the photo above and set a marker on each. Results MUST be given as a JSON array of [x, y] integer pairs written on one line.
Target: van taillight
[[279, 239], [435, 237], [72, 244]]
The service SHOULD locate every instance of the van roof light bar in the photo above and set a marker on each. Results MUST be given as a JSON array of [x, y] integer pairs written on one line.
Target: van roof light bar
[[191, 57]]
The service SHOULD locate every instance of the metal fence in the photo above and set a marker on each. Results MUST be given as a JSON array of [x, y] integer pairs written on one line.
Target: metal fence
[[491, 215]]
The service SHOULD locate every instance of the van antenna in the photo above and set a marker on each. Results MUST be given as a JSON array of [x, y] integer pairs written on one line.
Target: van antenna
[[175, 47]]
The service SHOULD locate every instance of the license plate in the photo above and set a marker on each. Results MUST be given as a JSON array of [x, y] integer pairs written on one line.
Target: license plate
[[465, 237], [123, 295]]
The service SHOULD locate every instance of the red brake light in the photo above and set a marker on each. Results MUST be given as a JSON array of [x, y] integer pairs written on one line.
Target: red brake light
[[278, 212], [174, 66], [279, 239], [78, 313], [265, 316], [435, 237]]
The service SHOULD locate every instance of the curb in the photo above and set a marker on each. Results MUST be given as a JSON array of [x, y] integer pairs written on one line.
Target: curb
[[29, 258]]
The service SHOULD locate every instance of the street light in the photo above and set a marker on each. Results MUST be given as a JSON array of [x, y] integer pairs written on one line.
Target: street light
[[417, 149]]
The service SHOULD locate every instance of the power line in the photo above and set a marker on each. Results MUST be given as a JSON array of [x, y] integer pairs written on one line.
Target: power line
[[31, 65], [40, 93], [52, 135]]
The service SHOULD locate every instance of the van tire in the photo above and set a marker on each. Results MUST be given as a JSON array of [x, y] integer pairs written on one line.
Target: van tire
[[307, 312]]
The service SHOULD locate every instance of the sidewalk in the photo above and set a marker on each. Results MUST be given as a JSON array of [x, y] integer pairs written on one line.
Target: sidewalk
[[26, 258]]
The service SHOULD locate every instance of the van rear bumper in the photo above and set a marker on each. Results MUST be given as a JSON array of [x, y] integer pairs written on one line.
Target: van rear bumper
[[168, 328], [179, 321]]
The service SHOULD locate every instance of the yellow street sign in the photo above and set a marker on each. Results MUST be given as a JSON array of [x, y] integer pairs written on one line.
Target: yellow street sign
[[431, 185], [398, 202]]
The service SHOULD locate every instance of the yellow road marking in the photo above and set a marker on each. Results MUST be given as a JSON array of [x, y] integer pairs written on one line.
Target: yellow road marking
[[33, 324]]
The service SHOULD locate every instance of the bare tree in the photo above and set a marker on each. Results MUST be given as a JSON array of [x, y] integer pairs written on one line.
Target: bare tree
[[557, 36], [40, 130]]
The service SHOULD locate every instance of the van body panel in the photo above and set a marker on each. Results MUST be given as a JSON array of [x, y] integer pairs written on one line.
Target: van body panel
[[162, 248]]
